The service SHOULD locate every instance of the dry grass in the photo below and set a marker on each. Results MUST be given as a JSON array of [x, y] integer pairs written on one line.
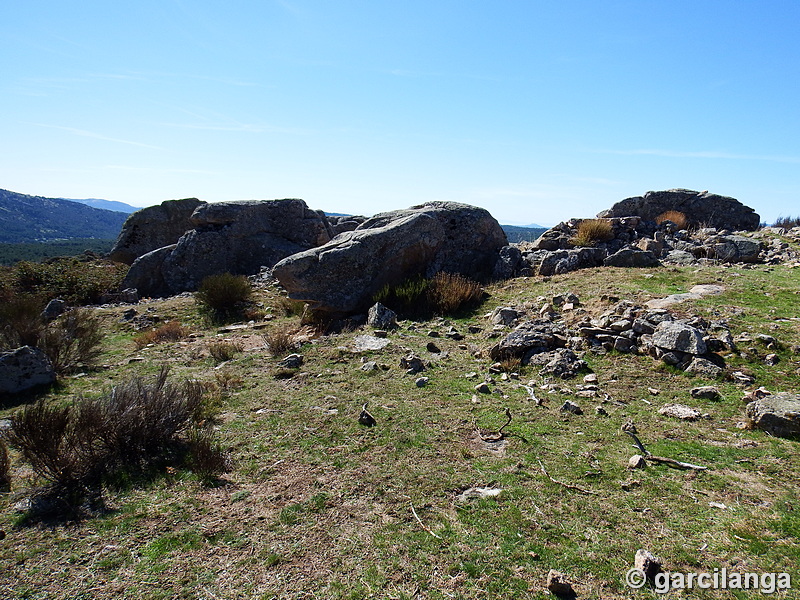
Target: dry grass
[[318, 506], [224, 350], [592, 232], [171, 331], [678, 218]]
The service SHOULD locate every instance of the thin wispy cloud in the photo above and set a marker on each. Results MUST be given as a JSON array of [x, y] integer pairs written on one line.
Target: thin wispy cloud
[[710, 154], [96, 136]]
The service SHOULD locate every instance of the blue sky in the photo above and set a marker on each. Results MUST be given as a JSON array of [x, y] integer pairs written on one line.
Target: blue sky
[[538, 111]]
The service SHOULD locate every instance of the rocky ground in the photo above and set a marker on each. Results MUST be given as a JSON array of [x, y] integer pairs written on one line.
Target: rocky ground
[[502, 446]]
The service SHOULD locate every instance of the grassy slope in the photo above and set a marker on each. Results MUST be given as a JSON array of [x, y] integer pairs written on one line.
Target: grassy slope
[[321, 507]]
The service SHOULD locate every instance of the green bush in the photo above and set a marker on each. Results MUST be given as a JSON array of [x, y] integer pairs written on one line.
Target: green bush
[[224, 295], [21, 322], [78, 282], [76, 449]]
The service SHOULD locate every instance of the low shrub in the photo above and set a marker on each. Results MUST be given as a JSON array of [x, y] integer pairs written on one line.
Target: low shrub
[[21, 322], [281, 339], [73, 339], [444, 293], [224, 295], [224, 350], [787, 222], [207, 459], [171, 331], [592, 232], [289, 307], [76, 449], [5, 468], [448, 292], [674, 216]]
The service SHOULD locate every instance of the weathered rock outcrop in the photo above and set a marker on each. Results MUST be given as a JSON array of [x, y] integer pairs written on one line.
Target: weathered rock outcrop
[[700, 208], [342, 276], [236, 237], [152, 228], [23, 369]]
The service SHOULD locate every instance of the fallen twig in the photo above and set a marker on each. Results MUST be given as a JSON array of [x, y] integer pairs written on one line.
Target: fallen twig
[[675, 463], [531, 395], [629, 428], [500, 435], [425, 527], [566, 485]]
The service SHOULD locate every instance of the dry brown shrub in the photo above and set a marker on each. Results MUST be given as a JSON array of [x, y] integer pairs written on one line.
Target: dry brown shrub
[[285, 338], [449, 292], [674, 216], [72, 340], [5, 469], [593, 231], [224, 350], [171, 331]]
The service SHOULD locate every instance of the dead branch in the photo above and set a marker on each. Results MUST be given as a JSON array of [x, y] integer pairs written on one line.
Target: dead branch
[[500, 435], [629, 428], [425, 527], [566, 485], [675, 463]]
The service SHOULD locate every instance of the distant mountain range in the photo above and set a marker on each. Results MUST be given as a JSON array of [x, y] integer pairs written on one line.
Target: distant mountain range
[[106, 204], [26, 218]]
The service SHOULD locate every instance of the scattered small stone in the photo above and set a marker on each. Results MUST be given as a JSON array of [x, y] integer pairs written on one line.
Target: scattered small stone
[[571, 407], [646, 562], [742, 378], [471, 375], [653, 391], [293, 361], [366, 419], [591, 378], [478, 492], [421, 382], [636, 462], [771, 359], [707, 392], [433, 348], [558, 584], [600, 411], [483, 388], [433, 333], [369, 366], [719, 505], [412, 363], [680, 411]]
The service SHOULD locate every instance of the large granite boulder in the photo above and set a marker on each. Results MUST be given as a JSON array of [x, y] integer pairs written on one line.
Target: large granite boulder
[[23, 369], [343, 276], [701, 209], [778, 414], [152, 228], [235, 237]]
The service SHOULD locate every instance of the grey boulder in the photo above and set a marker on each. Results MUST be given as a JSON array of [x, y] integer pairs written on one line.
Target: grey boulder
[[23, 369], [778, 414], [679, 337], [342, 276], [235, 237], [152, 228]]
